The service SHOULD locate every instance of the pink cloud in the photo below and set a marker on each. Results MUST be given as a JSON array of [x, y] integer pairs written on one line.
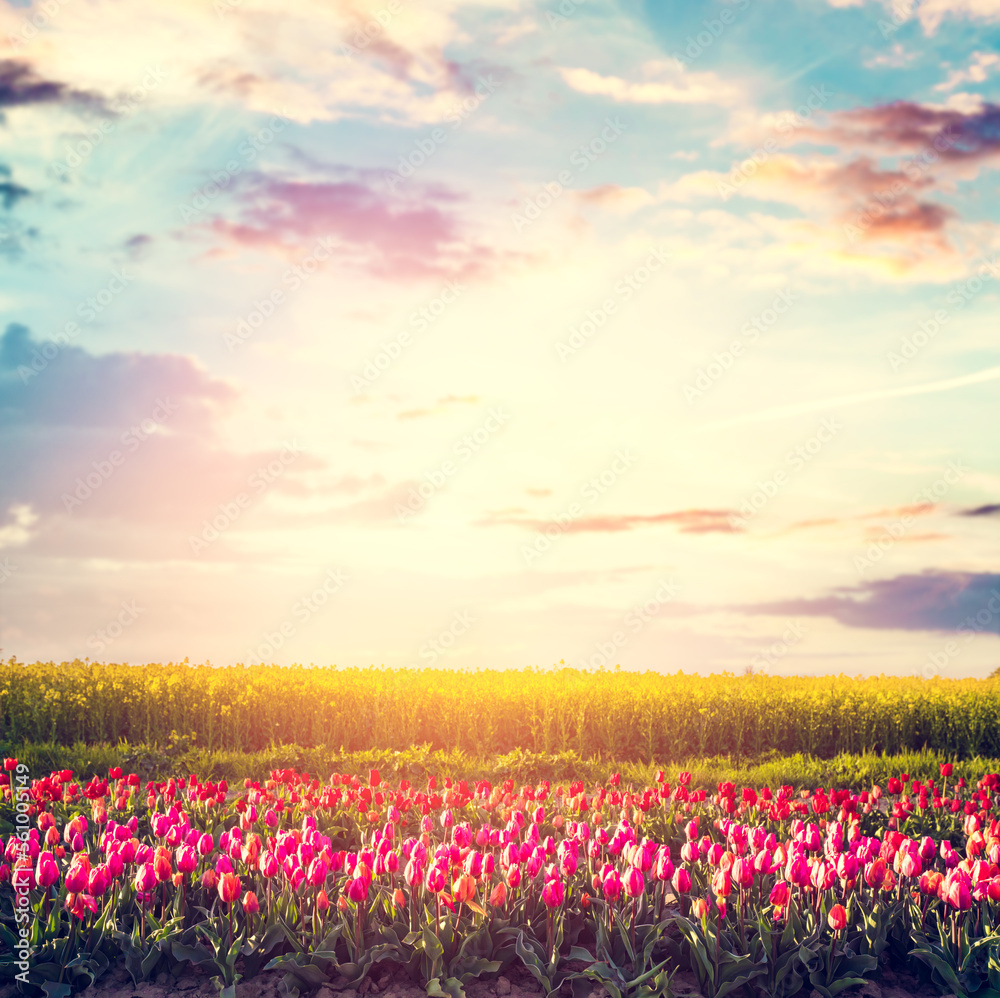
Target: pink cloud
[[357, 225], [688, 521]]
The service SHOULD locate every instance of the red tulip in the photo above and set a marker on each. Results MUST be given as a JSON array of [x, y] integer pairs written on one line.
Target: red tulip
[[837, 917], [957, 894], [464, 888], [499, 895], [162, 867], [46, 870], [250, 903], [78, 875], [635, 882], [875, 873], [911, 865], [552, 893], [781, 892], [357, 888], [99, 880], [229, 888], [722, 883], [187, 859], [612, 886], [742, 872], [681, 881], [145, 878], [79, 904]]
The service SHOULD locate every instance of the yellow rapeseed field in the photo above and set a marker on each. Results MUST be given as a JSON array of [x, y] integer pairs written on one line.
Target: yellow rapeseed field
[[618, 714]]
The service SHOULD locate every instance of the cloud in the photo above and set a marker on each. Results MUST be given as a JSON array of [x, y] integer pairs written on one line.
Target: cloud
[[930, 601], [76, 389], [976, 72], [141, 432], [442, 406], [855, 214], [20, 85], [666, 82], [992, 509], [942, 134], [931, 13], [688, 521], [392, 238], [313, 62]]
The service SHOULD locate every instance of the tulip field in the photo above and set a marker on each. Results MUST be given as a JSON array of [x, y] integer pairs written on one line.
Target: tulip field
[[610, 888]]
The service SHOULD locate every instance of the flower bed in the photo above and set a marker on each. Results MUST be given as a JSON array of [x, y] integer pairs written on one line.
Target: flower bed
[[751, 891]]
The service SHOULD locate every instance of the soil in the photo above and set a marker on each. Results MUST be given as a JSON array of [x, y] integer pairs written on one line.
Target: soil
[[515, 982]]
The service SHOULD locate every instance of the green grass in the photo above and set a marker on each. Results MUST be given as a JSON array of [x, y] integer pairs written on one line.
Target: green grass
[[181, 757]]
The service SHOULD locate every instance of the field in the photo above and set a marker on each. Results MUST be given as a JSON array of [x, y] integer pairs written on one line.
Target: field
[[620, 716], [577, 834]]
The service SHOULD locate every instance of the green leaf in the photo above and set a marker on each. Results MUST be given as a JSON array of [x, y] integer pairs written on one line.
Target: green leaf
[[451, 988], [56, 989], [196, 954]]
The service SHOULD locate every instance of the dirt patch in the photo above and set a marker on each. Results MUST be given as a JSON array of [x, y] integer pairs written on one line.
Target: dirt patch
[[515, 982]]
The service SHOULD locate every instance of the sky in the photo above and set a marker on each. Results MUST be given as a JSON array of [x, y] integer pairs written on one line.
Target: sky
[[502, 333]]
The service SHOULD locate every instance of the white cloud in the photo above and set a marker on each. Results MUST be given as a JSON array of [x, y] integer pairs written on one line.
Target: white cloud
[[664, 83], [977, 71]]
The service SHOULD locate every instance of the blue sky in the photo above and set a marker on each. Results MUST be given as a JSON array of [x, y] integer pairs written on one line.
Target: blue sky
[[499, 334]]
